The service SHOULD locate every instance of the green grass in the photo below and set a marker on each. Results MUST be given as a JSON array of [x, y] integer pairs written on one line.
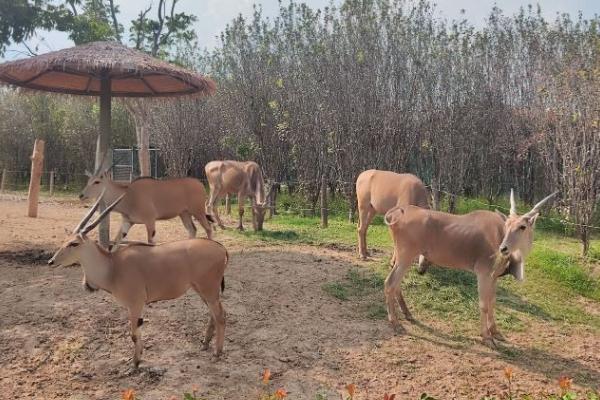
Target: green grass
[[558, 285]]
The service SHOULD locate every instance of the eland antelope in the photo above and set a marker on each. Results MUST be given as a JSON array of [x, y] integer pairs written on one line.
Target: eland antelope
[[487, 243], [140, 274], [147, 200], [379, 191], [243, 178]]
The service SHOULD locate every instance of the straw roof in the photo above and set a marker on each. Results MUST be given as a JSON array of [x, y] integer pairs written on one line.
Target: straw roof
[[77, 70]]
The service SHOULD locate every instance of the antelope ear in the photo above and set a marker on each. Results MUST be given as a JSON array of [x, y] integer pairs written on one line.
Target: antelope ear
[[531, 220], [502, 215]]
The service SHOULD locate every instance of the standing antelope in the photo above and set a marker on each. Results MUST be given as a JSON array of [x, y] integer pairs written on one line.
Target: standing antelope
[[487, 243], [243, 178], [379, 191], [148, 200], [139, 274]]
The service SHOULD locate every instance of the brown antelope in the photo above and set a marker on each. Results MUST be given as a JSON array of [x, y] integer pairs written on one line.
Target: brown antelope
[[379, 191], [243, 178], [488, 243], [139, 274], [148, 200]]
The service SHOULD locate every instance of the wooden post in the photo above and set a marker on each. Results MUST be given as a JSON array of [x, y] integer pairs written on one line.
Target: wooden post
[[51, 189], [324, 210], [37, 162], [270, 205], [103, 146], [3, 181], [227, 205]]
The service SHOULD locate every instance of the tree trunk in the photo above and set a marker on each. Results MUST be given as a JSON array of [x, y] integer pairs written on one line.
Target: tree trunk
[[585, 240], [144, 149], [138, 111], [435, 194], [452, 204]]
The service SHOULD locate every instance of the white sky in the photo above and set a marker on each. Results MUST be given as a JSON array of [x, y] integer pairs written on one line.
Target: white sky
[[213, 15]]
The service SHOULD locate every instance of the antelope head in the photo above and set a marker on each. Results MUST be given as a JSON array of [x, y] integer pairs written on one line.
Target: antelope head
[[97, 182], [259, 208], [518, 229], [78, 246]]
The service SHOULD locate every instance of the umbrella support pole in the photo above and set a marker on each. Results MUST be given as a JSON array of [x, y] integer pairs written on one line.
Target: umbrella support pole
[[103, 148]]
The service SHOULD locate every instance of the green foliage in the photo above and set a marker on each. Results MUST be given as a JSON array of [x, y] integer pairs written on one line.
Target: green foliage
[[92, 24], [21, 18]]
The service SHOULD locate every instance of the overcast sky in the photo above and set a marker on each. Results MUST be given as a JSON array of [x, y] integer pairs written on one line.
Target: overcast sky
[[213, 15]]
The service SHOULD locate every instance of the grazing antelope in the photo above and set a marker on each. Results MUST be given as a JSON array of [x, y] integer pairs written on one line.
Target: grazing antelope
[[139, 274], [379, 191], [148, 200], [488, 243], [243, 178]]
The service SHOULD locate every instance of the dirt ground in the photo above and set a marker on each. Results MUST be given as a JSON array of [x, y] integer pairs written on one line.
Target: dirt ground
[[59, 342]]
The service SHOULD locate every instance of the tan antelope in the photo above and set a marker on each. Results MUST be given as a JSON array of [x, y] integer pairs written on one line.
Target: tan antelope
[[379, 191], [487, 243], [148, 200], [243, 178], [139, 274]]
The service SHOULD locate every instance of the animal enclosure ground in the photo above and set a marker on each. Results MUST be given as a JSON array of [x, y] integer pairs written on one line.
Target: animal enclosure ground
[[311, 314]]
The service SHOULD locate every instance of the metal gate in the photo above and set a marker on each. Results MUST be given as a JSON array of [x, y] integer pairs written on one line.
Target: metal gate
[[126, 164]]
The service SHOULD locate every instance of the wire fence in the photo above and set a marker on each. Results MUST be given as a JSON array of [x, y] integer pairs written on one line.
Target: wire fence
[[65, 182], [51, 181]]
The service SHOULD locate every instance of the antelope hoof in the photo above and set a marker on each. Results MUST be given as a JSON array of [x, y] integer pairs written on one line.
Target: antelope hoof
[[204, 346], [422, 269], [397, 328], [489, 342], [217, 355], [241, 228], [409, 317], [498, 336]]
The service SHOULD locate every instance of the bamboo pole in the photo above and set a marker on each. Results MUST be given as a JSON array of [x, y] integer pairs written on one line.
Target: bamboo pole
[[37, 162]]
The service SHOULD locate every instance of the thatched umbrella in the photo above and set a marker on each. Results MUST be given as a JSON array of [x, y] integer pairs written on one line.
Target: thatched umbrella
[[105, 69]]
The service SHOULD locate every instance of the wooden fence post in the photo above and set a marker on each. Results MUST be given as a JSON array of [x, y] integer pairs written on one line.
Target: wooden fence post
[[227, 205], [324, 210], [37, 161], [51, 189], [3, 181]]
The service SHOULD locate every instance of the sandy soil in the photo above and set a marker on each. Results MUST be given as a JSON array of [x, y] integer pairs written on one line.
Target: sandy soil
[[59, 342]]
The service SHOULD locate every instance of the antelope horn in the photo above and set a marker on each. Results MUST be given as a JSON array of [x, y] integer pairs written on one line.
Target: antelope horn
[[101, 167], [538, 206], [102, 215], [89, 214], [513, 203]]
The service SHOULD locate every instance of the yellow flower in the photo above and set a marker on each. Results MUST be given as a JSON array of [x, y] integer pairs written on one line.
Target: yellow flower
[[565, 382], [508, 373], [266, 376], [351, 388], [129, 394], [280, 393]]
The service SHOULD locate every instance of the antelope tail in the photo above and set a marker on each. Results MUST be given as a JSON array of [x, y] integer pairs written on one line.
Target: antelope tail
[[388, 217], [210, 218]]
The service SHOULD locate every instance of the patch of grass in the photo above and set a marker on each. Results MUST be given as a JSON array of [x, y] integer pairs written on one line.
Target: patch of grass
[[557, 286], [337, 290]]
